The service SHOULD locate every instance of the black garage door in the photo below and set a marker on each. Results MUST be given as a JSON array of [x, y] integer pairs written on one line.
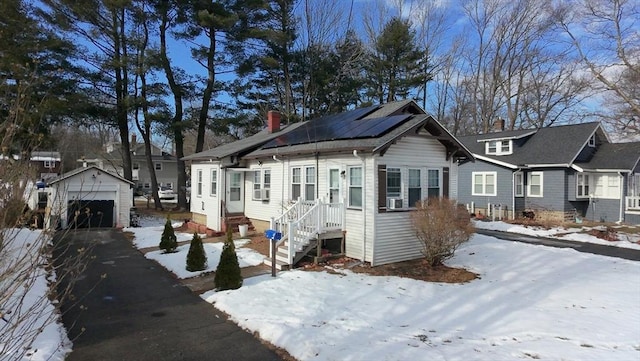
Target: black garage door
[[94, 214]]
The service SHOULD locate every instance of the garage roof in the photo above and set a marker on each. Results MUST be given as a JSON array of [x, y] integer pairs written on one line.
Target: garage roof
[[86, 169]]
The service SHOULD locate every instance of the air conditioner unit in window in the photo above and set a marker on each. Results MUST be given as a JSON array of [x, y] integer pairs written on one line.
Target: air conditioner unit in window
[[394, 203], [264, 194]]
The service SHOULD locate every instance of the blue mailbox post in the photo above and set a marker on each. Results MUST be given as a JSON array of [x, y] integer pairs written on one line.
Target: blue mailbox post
[[274, 236]]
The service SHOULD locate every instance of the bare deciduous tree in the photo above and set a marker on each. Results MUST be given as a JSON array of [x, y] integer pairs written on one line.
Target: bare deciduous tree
[[605, 35]]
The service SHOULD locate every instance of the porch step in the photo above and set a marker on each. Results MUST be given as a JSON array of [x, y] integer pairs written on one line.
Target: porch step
[[280, 265]]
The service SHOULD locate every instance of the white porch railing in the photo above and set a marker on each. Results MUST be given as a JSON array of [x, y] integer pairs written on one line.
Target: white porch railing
[[632, 203], [304, 221]]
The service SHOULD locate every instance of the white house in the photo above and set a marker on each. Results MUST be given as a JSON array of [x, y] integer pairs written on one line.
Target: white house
[[360, 172], [89, 197]]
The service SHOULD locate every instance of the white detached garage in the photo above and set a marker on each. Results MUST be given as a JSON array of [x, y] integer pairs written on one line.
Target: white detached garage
[[91, 197]]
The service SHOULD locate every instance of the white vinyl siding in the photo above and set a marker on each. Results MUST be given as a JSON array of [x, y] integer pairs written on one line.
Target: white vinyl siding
[[395, 239], [484, 183]]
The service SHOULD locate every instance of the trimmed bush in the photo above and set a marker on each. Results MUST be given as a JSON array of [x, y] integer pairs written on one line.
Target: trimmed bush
[[441, 225], [228, 275], [196, 258], [168, 240]]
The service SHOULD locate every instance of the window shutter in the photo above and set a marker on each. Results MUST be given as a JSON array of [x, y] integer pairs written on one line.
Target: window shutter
[[382, 188], [445, 182]]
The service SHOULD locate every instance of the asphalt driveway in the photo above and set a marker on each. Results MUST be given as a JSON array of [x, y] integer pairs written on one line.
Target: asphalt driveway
[[599, 249], [129, 308]]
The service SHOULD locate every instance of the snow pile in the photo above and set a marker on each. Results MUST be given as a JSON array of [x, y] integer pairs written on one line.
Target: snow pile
[[29, 319]]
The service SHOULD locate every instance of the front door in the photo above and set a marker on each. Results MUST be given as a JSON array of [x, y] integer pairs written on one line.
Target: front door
[[235, 196], [334, 185]]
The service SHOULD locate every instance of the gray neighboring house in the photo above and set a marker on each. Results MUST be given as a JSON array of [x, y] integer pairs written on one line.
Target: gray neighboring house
[[165, 165], [570, 171]]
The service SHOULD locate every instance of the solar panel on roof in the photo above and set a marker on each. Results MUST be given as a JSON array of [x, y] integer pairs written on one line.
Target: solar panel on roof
[[342, 126]]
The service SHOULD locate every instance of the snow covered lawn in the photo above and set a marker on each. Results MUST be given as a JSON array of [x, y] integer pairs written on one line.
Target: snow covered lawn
[[626, 240], [531, 302], [149, 236]]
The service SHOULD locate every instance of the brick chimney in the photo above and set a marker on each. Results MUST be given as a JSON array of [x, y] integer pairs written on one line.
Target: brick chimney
[[273, 121], [133, 139], [498, 125]]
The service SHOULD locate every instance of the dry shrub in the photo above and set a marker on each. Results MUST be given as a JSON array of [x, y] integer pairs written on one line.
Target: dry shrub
[[441, 225]]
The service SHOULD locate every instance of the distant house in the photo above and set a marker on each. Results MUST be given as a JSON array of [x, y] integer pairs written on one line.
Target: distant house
[[357, 172], [568, 171], [47, 164], [165, 164]]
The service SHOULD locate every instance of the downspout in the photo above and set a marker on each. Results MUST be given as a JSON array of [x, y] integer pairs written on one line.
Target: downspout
[[364, 207], [513, 194], [621, 215], [275, 158]]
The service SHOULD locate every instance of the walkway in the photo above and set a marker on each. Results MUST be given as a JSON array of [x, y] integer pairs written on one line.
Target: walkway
[[599, 249], [139, 311]]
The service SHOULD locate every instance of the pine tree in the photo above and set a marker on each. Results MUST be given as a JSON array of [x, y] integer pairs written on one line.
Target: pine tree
[[228, 275], [196, 258], [168, 240]]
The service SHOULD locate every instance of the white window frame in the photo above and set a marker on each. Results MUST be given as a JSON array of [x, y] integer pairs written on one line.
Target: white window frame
[[157, 166], [293, 182], [411, 186], [47, 163], [530, 183], [581, 185], [199, 183], [310, 183], [307, 179], [213, 192], [592, 141], [604, 185], [353, 186], [429, 186], [135, 165], [496, 147], [518, 184], [260, 183], [484, 183]]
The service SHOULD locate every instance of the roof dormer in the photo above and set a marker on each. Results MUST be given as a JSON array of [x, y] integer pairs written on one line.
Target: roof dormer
[[498, 147]]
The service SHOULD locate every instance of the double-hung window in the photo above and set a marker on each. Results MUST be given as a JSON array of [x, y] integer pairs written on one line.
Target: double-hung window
[[309, 183], [394, 187], [303, 183], [583, 185], [355, 187], [261, 184], [433, 183], [499, 147], [535, 184], [214, 182], [415, 189], [484, 183], [518, 180], [158, 166], [199, 183]]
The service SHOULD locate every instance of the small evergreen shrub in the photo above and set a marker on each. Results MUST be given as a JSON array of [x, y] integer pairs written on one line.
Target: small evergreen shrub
[[441, 225], [228, 275], [168, 240], [196, 258]]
